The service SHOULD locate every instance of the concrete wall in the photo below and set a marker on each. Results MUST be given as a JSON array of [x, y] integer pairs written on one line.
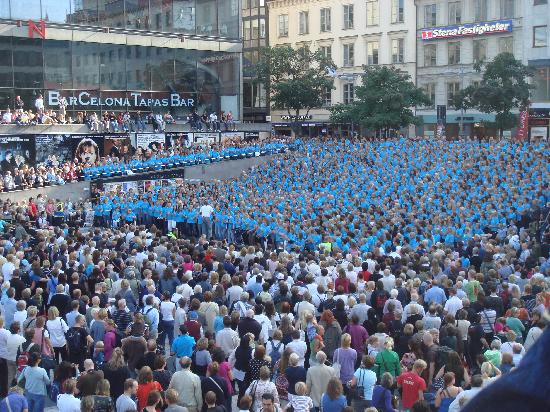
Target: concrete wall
[[74, 191]]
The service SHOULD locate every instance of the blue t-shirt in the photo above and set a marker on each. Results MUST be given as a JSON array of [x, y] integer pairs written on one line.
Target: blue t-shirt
[[183, 346], [367, 379], [336, 405], [17, 403]]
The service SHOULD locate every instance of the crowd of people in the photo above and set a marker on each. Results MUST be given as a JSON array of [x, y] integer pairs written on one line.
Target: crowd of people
[[360, 276]]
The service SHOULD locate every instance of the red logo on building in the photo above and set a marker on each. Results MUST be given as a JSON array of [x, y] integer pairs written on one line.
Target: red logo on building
[[39, 29], [427, 34]]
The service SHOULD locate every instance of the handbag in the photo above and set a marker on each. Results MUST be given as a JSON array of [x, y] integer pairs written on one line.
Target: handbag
[[47, 362], [335, 364], [357, 392]]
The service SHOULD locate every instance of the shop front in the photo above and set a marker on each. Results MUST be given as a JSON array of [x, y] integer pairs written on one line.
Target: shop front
[[539, 123]]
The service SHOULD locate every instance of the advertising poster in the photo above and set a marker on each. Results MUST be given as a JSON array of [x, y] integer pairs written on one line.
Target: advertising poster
[[176, 139], [539, 133], [117, 145], [206, 138], [16, 152], [55, 149], [120, 187], [150, 141], [235, 137]]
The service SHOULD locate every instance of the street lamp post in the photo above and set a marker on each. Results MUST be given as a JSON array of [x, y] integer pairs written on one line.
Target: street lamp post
[[461, 123]]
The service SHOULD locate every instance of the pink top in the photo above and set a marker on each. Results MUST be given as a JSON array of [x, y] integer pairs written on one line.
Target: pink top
[[37, 339], [223, 373], [109, 342]]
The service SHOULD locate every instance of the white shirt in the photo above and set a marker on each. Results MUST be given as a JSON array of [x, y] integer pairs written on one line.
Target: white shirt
[[4, 335], [167, 310], [389, 282], [299, 348], [206, 210], [469, 394], [57, 329], [7, 271], [266, 326], [14, 341], [68, 403], [227, 339], [20, 316], [453, 305]]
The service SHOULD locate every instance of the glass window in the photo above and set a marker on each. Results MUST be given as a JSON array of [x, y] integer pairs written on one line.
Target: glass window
[[283, 25], [161, 15], [137, 62], [6, 67], [247, 29], [162, 70], [452, 90], [348, 16], [507, 9], [255, 29], [506, 44], [454, 52], [184, 16], [325, 19], [540, 36], [89, 66], [25, 10], [326, 51], [207, 19], [430, 15], [373, 13], [304, 22], [397, 11], [372, 52], [84, 12], [228, 18], [111, 14], [541, 83], [480, 50], [57, 65], [398, 50], [4, 9], [430, 55], [28, 65], [262, 28], [539, 2], [110, 68], [480, 10], [349, 90], [348, 55], [327, 97], [186, 70], [455, 12], [429, 90], [57, 11]]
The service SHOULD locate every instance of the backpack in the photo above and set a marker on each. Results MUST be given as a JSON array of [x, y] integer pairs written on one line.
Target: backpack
[[275, 354], [146, 317], [23, 359], [74, 341], [380, 300], [442, 355]]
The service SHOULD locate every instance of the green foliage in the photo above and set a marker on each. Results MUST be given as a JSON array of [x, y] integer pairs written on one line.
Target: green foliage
[[503, 88], [384, 100], [295, 79]]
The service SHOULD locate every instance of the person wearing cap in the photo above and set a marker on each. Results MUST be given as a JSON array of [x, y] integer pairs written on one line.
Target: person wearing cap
[[187, 385], [249, 325], [182, 346]]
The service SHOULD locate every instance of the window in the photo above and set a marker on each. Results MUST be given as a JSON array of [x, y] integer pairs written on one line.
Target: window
[[304, 22], [506, 44], [397, 50], [429, 90], [480, 10], [454, 52], [539, 2], [455, 12], [255, 29], [325, 20], [283, 25], [541, 83], [348, 93], [480, 50], [327, 97], [397, 11], [452, 90], [507, 9], [247, 30], [373, 13], [326, 51], [348, 16], [262, 28], [430, 55], [430, 15], [372, 52], [540, 36], [348, 55]]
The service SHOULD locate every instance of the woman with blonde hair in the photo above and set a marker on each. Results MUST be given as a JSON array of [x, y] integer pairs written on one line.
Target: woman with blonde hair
[[346, 357], [102, 398], [57, 329], [30, 322], [116, 372], [387, 360]]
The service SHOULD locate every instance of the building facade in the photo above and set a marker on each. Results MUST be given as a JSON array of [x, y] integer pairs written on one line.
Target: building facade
[[453, 35], [353, 33], [255, 36], [118, 55]]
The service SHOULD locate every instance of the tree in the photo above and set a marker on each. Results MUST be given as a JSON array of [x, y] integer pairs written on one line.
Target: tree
[[384, 100], [504, 87], [296, 80]]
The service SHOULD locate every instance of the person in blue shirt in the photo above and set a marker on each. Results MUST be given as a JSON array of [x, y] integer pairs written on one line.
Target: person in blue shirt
[[435, 294], [182, 346]]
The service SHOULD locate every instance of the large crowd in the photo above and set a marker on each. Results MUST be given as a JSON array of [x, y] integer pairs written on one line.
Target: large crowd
[[341, 276]]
